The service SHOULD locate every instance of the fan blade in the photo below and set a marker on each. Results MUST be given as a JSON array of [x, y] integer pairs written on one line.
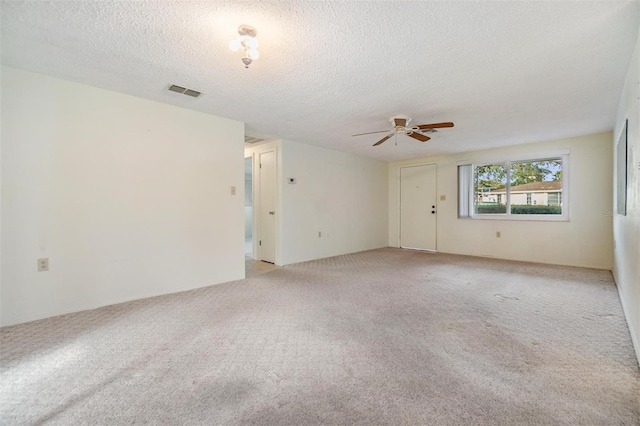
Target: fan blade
[[400, 122], [382, 140], [434, 125], [419, 136], [369, 133]]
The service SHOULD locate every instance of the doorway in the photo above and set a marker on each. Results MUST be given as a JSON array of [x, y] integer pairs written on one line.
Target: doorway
[[267, 207], [418, 207], [248, 207]]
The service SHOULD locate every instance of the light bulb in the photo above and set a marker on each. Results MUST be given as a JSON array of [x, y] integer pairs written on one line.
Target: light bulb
[[253, 42], [234, 45], [254, 54]]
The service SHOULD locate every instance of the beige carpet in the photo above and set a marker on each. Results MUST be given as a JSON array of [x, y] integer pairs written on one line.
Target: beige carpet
[[380, 337]]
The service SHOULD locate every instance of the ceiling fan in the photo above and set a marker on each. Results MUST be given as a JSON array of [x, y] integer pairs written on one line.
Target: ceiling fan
[[400, 126]]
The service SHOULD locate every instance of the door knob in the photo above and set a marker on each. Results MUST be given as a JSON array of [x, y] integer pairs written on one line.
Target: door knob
[[433, 212], [272, 212]]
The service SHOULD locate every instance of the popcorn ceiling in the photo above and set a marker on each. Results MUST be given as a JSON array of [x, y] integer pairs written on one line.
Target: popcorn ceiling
[[504, 72]]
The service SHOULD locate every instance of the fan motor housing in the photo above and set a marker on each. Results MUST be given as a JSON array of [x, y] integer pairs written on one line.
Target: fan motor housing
[[392, 120]]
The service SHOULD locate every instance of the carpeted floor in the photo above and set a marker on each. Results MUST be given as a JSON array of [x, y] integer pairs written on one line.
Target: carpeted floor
[[381, 337]]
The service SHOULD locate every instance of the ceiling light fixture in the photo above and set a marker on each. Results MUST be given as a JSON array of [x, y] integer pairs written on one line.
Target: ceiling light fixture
[[248, 43]]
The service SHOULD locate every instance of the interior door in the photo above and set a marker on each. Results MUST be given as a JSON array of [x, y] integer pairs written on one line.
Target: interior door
[[267, 239], [418, 208]]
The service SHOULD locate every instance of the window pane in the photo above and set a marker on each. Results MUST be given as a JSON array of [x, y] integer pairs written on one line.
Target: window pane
[[489, 189], [536, 187]]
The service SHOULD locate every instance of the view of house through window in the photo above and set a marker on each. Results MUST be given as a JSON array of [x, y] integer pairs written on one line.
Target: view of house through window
[[489, 189], [519, 188]]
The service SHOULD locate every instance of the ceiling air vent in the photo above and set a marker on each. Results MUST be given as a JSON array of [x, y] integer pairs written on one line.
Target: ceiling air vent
[[251, 139], [184, 91]]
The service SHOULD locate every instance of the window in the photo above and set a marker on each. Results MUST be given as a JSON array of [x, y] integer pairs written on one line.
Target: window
[[489, 182], [527, 189], [554, 198]]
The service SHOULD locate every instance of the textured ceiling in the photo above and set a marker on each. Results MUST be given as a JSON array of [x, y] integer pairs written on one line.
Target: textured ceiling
[[504, 72]]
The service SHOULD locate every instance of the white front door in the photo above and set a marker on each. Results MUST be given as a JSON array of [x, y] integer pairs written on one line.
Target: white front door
[[267, 239], [418, 208]]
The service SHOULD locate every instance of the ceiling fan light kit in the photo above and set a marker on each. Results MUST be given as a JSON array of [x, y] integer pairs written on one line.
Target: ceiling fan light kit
[[248, 43], [400, 124]]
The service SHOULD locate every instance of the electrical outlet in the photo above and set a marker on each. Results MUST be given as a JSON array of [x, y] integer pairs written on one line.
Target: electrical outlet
[[43, 264], [319, 234], [498, 235]]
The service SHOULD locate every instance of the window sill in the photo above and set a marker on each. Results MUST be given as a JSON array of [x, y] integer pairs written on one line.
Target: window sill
[[521, 217]]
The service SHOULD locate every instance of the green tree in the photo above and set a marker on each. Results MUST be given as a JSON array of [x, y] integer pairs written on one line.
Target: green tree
[[535, 171], [557, 175], [493, 176]]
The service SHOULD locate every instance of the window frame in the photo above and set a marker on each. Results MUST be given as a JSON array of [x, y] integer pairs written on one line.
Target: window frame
[[564, 194]]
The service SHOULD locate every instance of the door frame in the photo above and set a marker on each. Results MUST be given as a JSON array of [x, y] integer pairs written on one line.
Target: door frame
[[400, 204], [257, 207], [253, 205]]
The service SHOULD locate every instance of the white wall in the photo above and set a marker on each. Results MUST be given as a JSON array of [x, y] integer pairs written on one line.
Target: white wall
[[586, 240], [0, 197], [626, 229], [127, 198], [342, 196]]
